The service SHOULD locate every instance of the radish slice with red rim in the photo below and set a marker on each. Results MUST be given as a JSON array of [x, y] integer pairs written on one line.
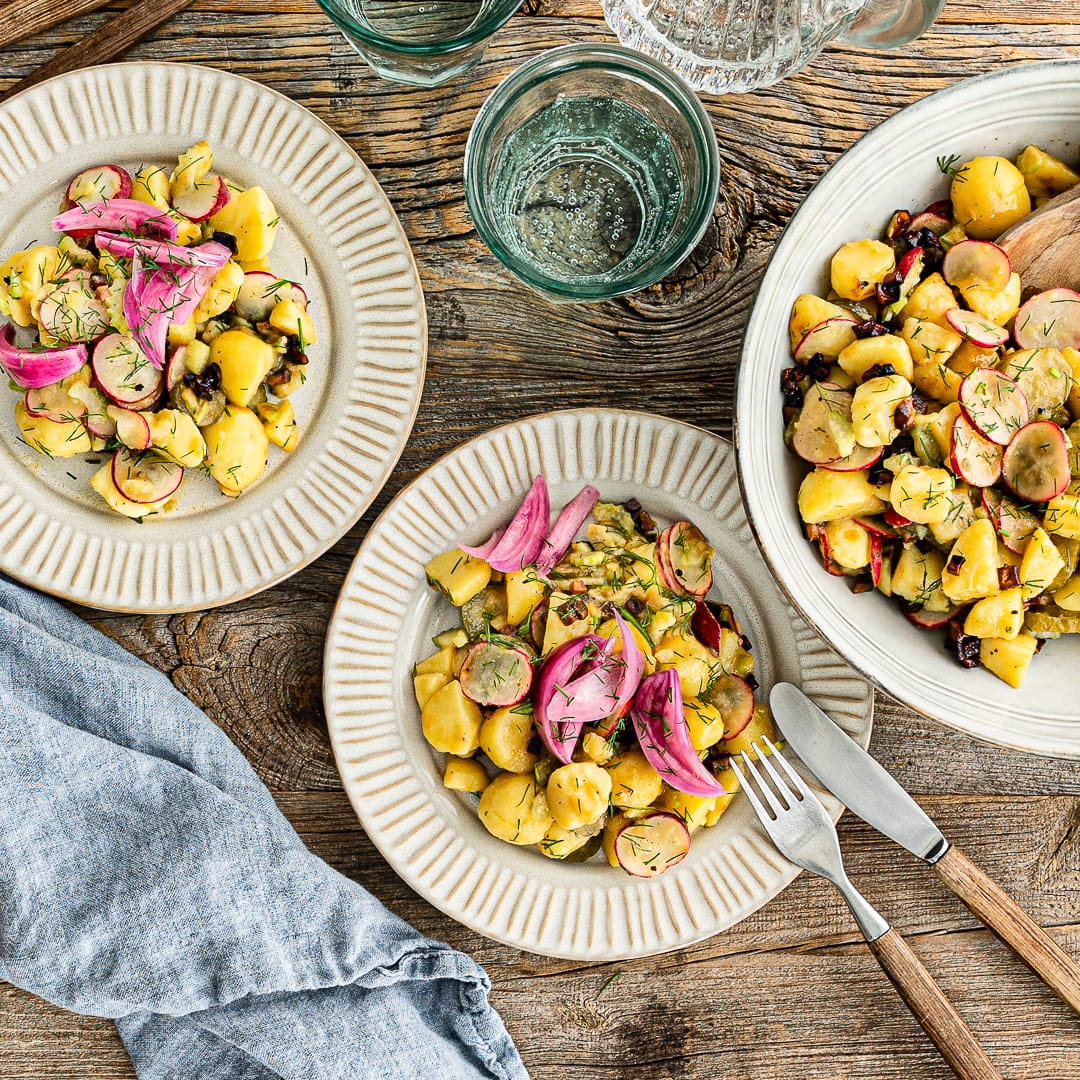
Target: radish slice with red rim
[[976, 263], [649, 845], [829, 338], [124, 373], [101, 182], [974, 328], [734, 697], [175, 368], [876, 559], [54, 403], [859, 460], [936, 222], [1036, 463], [523, 538], [995, 405], [977, 461], [825, 418], [203, 199], [1050, 319], [876, 527], [497, 671], [1014, 523], [145, 478], [97, 419], [930, 620], [662, 733], [706, 627], [132, 428], [684, 560]]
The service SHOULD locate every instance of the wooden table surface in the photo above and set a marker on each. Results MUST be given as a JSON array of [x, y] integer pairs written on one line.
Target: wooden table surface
[[792, 991]]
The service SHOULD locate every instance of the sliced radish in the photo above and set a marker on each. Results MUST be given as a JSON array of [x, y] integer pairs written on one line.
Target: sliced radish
[[124, 373], [860, 459], [176, 366], [706, 627], [734, 697], [977, 461], [144, 478], [823, 431], [1036, 463], [1050, 319], [978, 264], [976, 329], [497, 672], [930, 620], [1014, 523], [829, 338], [131, 428], [875, 527], [684, 560], [73, 312], [649, 845], [97, 418], [995, 405], [54, 403], [260, 291], [875, 559], [95, 184], [203, 199], [895, 519], [937, 223]]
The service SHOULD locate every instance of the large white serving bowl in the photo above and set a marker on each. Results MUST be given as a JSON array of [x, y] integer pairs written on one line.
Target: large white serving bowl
[[896, 165]]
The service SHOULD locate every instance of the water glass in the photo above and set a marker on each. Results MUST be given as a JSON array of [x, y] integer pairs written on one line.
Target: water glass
[[422, 42], [591, 172], [720, 46]]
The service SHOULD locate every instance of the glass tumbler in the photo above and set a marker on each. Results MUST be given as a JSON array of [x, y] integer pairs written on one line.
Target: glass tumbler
[[422, 42], [591, 172], [721, 46]]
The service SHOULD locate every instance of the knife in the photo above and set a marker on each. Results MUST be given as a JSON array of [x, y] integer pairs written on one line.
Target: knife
[[870, 792]]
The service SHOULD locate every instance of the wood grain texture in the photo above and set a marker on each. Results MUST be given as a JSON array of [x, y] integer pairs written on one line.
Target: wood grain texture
[[792, 992]]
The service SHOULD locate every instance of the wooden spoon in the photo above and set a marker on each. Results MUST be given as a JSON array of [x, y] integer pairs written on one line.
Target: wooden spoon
[[1044, 247]]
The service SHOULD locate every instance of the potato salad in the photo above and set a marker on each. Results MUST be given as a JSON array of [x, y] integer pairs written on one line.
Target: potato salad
[[152, 334], [590, 694], [938, 405]]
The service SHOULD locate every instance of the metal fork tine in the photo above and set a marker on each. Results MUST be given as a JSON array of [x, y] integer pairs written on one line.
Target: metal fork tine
[[765, 761], [793, 776], [755, 802], [767, 792]]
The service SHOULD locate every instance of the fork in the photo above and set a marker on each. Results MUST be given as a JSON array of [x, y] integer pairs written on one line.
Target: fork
[[797, 824]]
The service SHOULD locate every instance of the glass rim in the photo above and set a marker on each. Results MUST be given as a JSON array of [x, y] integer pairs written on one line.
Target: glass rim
[[502, 13], [619, 60]]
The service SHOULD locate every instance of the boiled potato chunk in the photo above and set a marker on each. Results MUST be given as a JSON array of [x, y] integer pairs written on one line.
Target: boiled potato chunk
[[849, 543], [1068, 596], [705, 723], [525, 589], [577, 794], [151, 185], [729, 779], [442, 663], [250, 218], [514, 809], [859, 267], [809, 310], [610, 628], [236, 449], [760, 724], [292, 320], [459, 577], [559, 842], [864, 353], [451, 722], [221, 295], [989, 196], [975, 551], [464, 774], [916, 577], [999, 616], [828, 496], [1008, 660], [873, 407], [961, 514], [941, 426], [245, 360], [279, 420], [52, 438], [635, 784], [1044, 174], [102, 482], [1041, 564], [693, 809], [191, 167], [1062, 516], [426, 685], [505, 736], [927, 342], [997, 306], [929, 300], [920, 493], [174, 434]]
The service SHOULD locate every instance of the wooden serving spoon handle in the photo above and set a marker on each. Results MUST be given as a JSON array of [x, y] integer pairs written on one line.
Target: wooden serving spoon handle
[[993, 907], [1044, 247]]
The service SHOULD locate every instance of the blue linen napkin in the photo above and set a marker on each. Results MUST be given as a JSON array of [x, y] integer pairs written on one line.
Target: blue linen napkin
[[147, 875]]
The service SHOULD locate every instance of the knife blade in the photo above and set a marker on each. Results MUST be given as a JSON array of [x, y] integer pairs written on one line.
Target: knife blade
[[870, 792]]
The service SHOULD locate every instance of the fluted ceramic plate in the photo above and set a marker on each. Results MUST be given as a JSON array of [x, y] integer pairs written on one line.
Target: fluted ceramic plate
[[895, 165], [338, 237], [387, 615]]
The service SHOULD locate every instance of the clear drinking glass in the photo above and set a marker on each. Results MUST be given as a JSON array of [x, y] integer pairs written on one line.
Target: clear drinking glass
[[723, 46], [423, 42], [591, 172]]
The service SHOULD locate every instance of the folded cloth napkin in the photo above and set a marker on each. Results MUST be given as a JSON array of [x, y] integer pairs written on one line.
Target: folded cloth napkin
[[147, 875]]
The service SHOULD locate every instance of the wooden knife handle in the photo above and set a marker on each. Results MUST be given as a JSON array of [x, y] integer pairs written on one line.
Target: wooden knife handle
[[992, 906], [21, 18], [923, 996]]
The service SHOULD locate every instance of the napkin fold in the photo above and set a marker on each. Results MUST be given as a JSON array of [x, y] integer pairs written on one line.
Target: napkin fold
[[147, 875]]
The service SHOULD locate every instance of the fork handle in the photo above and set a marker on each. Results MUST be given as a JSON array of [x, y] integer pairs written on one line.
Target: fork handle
[[992, 906], [923, 996]]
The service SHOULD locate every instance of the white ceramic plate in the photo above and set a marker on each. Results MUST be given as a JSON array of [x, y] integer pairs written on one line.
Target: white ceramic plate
[[895, 165], [384, 623], [338, 237]]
